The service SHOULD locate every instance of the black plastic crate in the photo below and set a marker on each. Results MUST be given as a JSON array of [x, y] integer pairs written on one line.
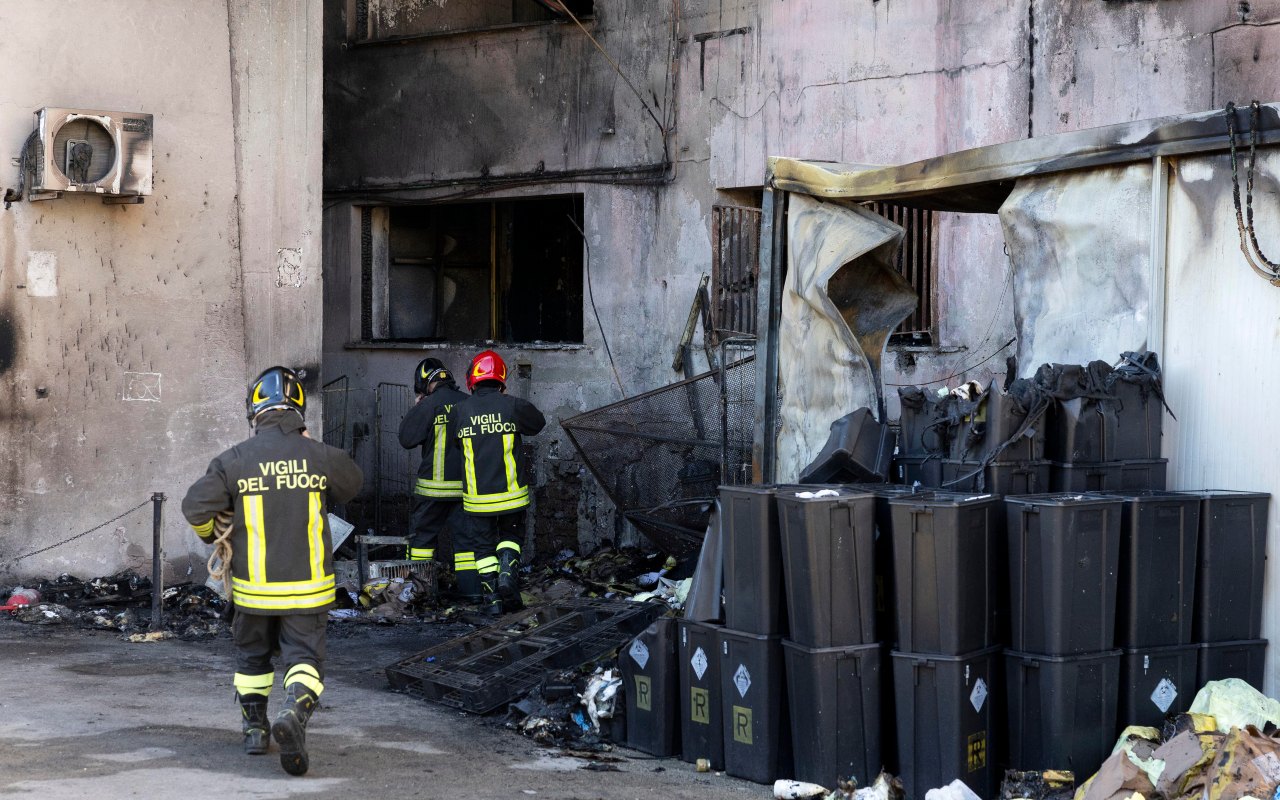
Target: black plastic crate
[[487, 669], [921, 422], [829, 566], [753, 586], [1139, 422], [1076, 430], [998, 477], [834, 694], [1062, 710], [924, 470], [858, 449], [652, 686], [1231, 565], [886, 624], [944, 720], [1244, 660], [1064, 551], [944, 571], [757, 726], [1156, 682], [1156, 584], [701, 719], [1108, 475]]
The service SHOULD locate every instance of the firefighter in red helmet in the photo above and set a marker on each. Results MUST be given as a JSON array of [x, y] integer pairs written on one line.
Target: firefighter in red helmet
[[488, 427]]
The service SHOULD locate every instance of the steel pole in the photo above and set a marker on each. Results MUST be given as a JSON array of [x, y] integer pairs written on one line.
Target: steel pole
[[157, 554]]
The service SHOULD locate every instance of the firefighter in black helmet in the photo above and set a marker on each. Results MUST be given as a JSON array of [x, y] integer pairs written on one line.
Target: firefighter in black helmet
[[437, 501], [277, 486], [488, 427]]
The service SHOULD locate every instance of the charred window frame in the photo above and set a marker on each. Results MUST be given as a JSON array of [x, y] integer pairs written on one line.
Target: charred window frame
[[735, 269], [506, 270], [917, 262], [442, 20]]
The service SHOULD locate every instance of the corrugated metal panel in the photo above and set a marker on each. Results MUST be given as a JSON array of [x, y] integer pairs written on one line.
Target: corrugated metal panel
[[1222, 337], [735, 269]]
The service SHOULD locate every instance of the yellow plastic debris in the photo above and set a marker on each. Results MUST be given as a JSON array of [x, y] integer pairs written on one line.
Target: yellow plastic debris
[[1235, 704]]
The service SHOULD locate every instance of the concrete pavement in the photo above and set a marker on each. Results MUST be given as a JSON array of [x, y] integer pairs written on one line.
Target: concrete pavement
[[86, 714]]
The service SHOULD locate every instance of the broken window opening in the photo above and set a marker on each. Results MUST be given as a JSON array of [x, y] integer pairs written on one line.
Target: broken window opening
[[383, 20], [508, 271], [917, 262]]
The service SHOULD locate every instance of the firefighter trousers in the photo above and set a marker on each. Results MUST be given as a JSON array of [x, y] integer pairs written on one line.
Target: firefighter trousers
[[477, 542], [297, 639], [430, 516]]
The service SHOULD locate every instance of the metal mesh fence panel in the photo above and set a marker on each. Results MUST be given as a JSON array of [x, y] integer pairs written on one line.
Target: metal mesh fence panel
[[396, 468], [336, 433], [661, 456]]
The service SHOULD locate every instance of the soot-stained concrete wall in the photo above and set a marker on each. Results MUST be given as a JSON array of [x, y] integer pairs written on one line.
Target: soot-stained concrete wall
[[870, 82], [129, 375]]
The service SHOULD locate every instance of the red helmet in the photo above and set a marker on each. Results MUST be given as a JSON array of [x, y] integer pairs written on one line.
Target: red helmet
[[488, 366]]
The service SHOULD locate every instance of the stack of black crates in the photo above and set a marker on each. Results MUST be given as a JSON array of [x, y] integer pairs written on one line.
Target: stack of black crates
[[733, 691], [947, 649], [1115, 599]]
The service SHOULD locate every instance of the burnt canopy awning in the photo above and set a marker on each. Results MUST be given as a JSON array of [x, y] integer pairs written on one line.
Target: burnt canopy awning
[[979, 180]]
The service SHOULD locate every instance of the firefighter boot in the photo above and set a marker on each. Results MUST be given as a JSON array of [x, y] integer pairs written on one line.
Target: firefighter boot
[[509, 573], [290, 728], [254, 723], [491, 602]]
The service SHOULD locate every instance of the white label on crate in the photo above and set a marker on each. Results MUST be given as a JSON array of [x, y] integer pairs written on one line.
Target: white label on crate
[[641, 653], [742, 679], [699, 662], [1269, 765], [1164, 695], [979, 694]]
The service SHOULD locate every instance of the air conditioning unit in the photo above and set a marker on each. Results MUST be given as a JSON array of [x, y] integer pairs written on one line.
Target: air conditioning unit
[[107, 153]]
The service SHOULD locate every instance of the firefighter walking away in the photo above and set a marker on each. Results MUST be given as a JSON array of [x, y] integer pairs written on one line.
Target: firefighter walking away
[[437, 494], [276, 487], [487, 428]]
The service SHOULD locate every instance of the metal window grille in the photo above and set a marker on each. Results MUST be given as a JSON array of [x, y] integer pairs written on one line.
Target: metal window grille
[[916, 261], [735, 269]]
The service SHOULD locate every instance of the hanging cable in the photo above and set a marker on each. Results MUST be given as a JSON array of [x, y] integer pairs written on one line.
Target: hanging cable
[[1268, 270], [592, 297], [560, 6]]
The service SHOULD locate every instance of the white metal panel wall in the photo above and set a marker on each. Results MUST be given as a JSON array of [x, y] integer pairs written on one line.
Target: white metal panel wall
[[1222, 336]]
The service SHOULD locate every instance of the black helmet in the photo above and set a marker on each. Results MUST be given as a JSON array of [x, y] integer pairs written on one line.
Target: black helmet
[[277, 387], [428, 372]]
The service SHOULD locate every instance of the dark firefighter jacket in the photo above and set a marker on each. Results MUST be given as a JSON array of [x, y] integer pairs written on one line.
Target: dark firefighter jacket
[[426, 424], [278, 483], [487, 427]]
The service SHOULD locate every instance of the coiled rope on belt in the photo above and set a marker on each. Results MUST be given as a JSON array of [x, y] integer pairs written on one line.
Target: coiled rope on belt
[[219, 563]]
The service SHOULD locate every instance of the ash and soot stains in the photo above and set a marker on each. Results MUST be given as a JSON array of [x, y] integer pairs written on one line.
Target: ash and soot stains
[[8, 341]]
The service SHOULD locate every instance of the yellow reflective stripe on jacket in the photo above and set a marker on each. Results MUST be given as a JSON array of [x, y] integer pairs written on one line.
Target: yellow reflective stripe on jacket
[[494, 503], [437, 452], [203, 530], [425, 487], [469, 466], [315, 535], [509, 460], [283, 595], [257, 555]]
